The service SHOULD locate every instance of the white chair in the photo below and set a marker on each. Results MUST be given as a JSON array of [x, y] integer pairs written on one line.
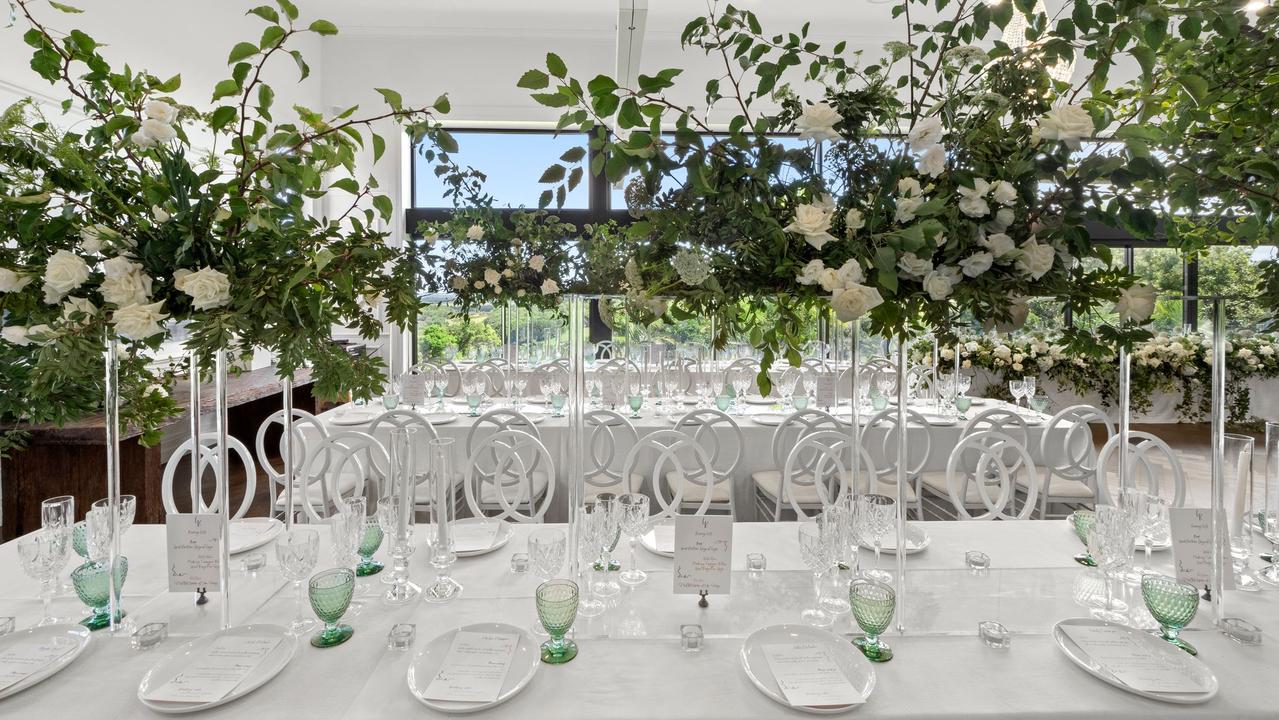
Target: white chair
[[307, 430], [769, 499], [604, 350], [673, 452], [497, 421], [1069, 456], [980, 474], [496, 373], [1001, 420], [919, 382], [502, 477], [687, 371], [740, 364], [879, 439], [705, 426], [448, 369], [1149, 458], [209, 460], [344, 463], [819, 472], [607, 434], [400, 419]]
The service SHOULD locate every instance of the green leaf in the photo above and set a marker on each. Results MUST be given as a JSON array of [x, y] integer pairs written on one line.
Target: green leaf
[[574, 154], [266, 12], [266, 96], [383, 205], [303, 68], [601, 85], [241, 51], [379, 147], [551, 99], [323, 27], [289, 8], [64, 8], [446, 141], [226, 88], [556, 65], [270, 36], [552, 174], [222, 116], [629, 115], [170, 85], [346, 184], [533, 80], [392, 98], [442, 105], [1195, 86]]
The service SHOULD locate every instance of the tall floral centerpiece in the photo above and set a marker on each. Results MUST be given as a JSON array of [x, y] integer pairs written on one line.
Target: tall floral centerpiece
[[133, 215]]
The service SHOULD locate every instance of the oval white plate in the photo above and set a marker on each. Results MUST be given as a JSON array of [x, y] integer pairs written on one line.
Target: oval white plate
[[757, 400], [979, 401], [1170, 653], [250, 533], [649, 541], [76, 636], [426, 664], [769, 419], [916, 541], [441, 418], [502, 537], [354, 416], [855, 666], [165, 670]]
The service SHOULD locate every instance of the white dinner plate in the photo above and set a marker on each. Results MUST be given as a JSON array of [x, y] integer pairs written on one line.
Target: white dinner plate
[[502, 537], [649, 541], [75, 636], [168, 668], [1170, 654], [441, 418], [854, 665], [251, 533], [354, 416], [766, 418], [427, 663], [978, 400], [917, 541], [757, 400]]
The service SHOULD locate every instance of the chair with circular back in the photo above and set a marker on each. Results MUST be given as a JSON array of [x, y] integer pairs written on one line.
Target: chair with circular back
[[879, 439], [307, 430], [920, 381], [672, 452], [705, 427], [496, 421], [496, 373], [1149, 459], [345, 461], [769, 500], [1069, 455], [400, 419], [449, 369], [209, 461], [739, 365], [501, 480], [604, 350], [819, 472], [608, 436], [997, 419], [979, 475]]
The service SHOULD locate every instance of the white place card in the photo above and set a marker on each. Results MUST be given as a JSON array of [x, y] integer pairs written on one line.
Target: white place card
[[474, 667], [473, 537], [1192, 547], [26, 658], [1131, 661], [223, 666], [703, 554], [824, 389], [413, 389], [194, 555], [809, 677], [664, 538]]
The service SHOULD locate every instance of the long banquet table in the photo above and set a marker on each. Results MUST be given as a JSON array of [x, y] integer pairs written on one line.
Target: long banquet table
[[630, 663]]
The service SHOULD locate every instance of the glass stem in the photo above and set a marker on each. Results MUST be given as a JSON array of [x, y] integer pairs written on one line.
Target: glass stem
[[877, 544], [46, 596], [297, 585], [1110, 595], [634, 561], [1147, 553]]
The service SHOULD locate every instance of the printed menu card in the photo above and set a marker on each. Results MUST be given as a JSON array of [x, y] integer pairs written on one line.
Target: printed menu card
[[703, 554], [1132, 660], [1192, 546], [474, 667], [808, 676], [194, 555], [210, 676], [28, 657]]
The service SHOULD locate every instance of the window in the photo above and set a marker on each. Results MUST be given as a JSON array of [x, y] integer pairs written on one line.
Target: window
[[1163, 269], [513, 162], [1233, 272]]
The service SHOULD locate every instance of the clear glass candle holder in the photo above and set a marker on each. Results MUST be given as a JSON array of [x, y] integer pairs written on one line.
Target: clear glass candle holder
[[1241, 631], [756, 563], [401, 636], [691, 638], [994, 635], [977, 560], [253, 562], [519, 562], [149, 635]]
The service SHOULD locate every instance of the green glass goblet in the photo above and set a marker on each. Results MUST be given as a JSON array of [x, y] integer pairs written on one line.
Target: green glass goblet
[[330, 593], [370, 541], [1173, 605], [962, 404], [557, 404], [91, 585], [473, 402], [636, 402], [80, 540], [1039, 403], [1083, 521], [723, 402], [557, 609], [878, 402], [873, 606], [801, 402]]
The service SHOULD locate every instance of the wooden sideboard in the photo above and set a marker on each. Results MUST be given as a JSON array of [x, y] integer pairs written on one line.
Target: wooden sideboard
[[72, 459]]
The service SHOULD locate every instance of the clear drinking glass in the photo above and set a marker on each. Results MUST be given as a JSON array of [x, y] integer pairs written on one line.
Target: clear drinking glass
[[634, 523], [1238, 492], [439, 541], [59, 512], [43, 554], [547, 551], [297, 551], [814, 549], [1028, 384], [592, 528], [1268, 515], [612, 519], [1110, 543], [876, 514], [1015, 388], [128, 509]]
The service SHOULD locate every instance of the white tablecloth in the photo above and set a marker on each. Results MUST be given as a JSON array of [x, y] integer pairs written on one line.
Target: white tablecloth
[[630, 663]]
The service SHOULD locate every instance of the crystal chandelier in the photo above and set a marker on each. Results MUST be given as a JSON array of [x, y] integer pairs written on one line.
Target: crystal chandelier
[[1015, 38]]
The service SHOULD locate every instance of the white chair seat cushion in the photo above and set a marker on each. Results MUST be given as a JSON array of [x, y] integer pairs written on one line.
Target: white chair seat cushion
[[770, 481], [694, 492], [512, 493], [422, 491], [935, 480], [1061, 487], [602, 483], [315, 493]]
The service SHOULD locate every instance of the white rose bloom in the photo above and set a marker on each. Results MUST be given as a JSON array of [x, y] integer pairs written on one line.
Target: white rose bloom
[[1018, 367], [520, 293], [974, 207], [550, 287], [11, 281], [1035, 259], [536, 263], [853, 220], [457, 282], [93, 237], [808, 275], [971, 346], [139, 322], [75, 305], [120, 267], [813, 222], [933, 162], [125, 290], [826, 203], [479, 285], [142, 140], [159, 131], [852, 302], [1003, 192], [1136, 303], [207, 287], [160, 110], [1069, 124], [914, 266], [159, 214], [65, 272], [1003, 218], [906, 208], [497, 289], [979, 189], [155, 389], [475, 232], [926, 133], [966, 364], [909, 187], [828, 278], [999, 245], [939, 284], [1003, 352], [491, 276], [850, 273], [16, 335], [508, 273], [976, 264], [818, 122]]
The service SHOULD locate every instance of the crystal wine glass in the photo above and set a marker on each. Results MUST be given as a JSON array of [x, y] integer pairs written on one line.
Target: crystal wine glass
[[1109, 543], [876, 513], [591, 531], [814, 548], [520, 382], [43, 554], [1015, 388], [741, 383], [786, 386], [59, 512], [610, 516], [1028, 384], [634, 523], [547, 550], [346, 528], [297, 551]]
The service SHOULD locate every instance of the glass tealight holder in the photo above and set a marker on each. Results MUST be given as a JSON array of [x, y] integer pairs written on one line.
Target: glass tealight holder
[[252, 562], [1241, 631], [7, 624], [691, 638], [401, 636], [756, 564], [149, 635], [994, 635], [801, 402], [977, 561], [723, 402], [519, 562]]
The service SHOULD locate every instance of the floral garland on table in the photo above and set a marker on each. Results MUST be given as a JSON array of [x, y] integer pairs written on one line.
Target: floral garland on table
[[121, 228], [1163, 364]]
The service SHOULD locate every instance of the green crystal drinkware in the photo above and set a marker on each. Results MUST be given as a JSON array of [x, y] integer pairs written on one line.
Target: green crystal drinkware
[[873, 605], [91, 585], [370, 541], [557, 609], [1083, 521], [1173, 605], [330, 593]]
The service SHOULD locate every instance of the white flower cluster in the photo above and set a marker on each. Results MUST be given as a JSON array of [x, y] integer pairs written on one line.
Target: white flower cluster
[[157, 125], [1069, 124], [925, 140], [818, 122], [850, 299], [692, 267], [813, 221]]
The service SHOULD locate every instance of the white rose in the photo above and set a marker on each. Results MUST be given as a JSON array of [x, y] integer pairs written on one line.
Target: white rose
[[475, 232], [1018, 367], [536, 263], [65, 272], [909, 187], [479, 285], [16, 335], [141, 139], [826, 203], [914, 266], [1035, 259], [93, 236], [159, 214], [160, 110], [158, 130], [521, 292], [1136, 303], [828, 278], [155, 389], [125, 283], [80, 305], [808, 275], [458, 282], [813, 222], [974, 207], [999, 245], [939, 284], [854, 221], [550, 287], [1003, 192], [926, 133], [933, 162], [976, 264], [120, 267], [207, 287], [491, 276], [508, 273], [1068, 124], [971, 346], [139, 322], [1003, 218], [818, 122], [849, 274], [11, 281], [979, 189], [1002, 352], [966, 364], [906, 208], [852, 302]]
